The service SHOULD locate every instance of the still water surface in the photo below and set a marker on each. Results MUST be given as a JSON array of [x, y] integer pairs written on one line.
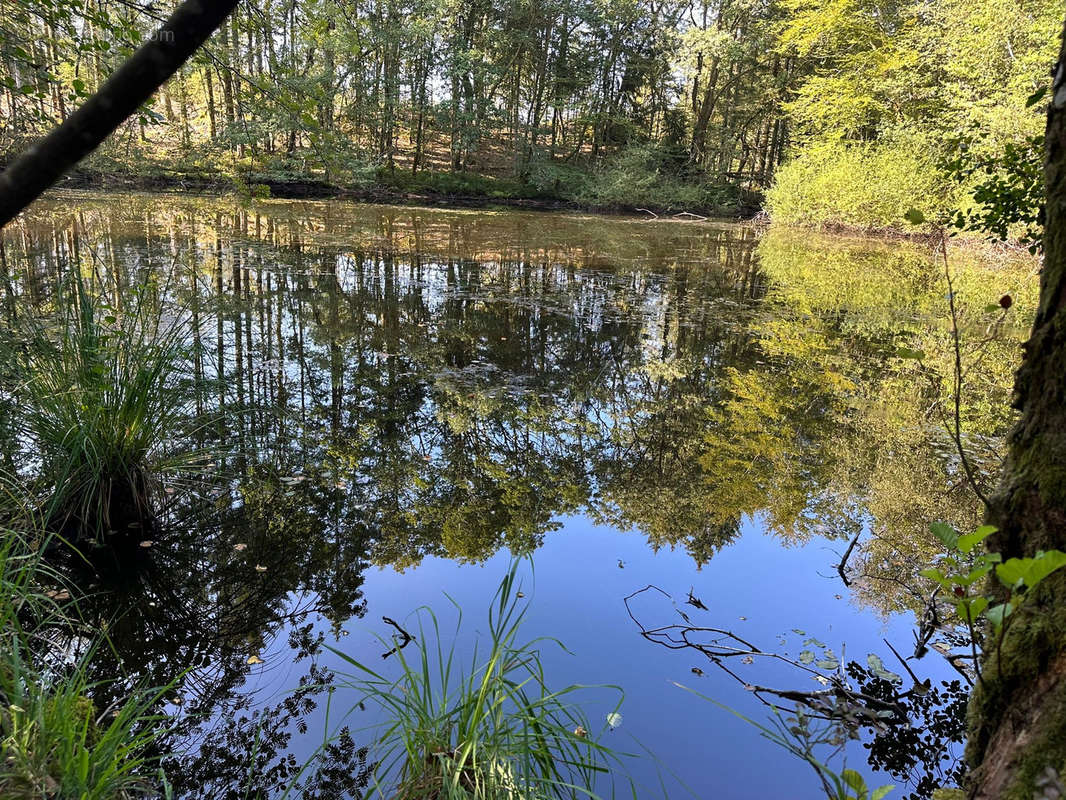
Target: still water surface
[[397, 399]]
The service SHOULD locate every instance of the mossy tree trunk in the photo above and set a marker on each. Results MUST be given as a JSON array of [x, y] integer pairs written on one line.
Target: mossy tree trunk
[[1018, 713]]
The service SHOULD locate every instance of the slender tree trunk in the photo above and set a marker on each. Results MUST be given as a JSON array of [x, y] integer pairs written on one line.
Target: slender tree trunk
[[1018, 713]]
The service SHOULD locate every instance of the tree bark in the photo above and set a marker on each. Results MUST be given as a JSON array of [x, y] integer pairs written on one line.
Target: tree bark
[[1018, 712], [124, 92]]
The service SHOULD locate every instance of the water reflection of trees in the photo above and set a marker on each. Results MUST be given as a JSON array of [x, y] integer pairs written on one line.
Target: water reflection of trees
[[388, 385]]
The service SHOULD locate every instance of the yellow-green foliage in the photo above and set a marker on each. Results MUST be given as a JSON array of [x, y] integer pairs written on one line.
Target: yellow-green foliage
[[888, 437], [893, 85], [857, 185]]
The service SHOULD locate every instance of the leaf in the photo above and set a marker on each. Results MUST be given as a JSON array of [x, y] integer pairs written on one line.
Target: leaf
[[253, 659], [998, 613], [945, 533], [827, 663], [1043, 565], [1011, 571], [906, 352], [970, 610], [614, 719], [1036, 97], [914, 216], [854, 780], [969, 541], [877, 666], [806, 657], [878, 794]]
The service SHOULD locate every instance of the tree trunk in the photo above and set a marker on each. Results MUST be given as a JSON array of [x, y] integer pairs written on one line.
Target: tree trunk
[[1018, 713]]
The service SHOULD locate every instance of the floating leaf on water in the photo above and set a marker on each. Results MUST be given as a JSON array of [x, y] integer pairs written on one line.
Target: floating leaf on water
[[580, 732], [806, 657], [827, 663], [614, 719], [798, 632], [697, 671], [253, 659], [822, 680], [877, 666]]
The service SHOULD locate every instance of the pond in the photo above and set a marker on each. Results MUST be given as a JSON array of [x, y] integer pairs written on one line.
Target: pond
[[395, 400]]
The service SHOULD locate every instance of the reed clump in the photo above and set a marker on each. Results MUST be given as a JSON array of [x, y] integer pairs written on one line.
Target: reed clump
[[489, 730], [102, 398]]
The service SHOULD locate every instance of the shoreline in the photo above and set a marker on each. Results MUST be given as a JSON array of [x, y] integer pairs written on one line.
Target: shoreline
[[377, 193]]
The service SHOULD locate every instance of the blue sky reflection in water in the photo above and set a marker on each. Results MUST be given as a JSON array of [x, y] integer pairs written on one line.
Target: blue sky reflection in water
[[578, 599], [397, 397]]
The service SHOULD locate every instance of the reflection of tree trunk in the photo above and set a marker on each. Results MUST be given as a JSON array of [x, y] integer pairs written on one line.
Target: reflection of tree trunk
[[336, 356], [1018, 715]]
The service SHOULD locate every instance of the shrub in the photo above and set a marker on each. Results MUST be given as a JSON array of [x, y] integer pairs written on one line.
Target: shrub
[[860, 185]]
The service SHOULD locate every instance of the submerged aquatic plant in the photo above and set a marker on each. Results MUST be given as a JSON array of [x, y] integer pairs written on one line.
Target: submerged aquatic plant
[[101, 397], [492, 730]]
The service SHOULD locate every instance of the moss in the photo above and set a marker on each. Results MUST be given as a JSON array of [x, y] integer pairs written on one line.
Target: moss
[[1035, 639]]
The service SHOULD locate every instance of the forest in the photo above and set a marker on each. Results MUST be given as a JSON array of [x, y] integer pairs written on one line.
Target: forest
[[847, 112], [532, 399]]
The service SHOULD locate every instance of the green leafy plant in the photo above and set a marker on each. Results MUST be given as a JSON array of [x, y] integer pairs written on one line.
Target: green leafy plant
[[492, 730], [962, 571]]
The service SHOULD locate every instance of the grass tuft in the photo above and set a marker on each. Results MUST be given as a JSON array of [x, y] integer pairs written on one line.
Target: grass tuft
[[492, 730], [101, 397]]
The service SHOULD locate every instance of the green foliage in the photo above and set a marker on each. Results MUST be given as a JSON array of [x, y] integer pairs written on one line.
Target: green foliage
[[900, 80], [1007, 190], [492, 730], [859, 185], [961, 573], [649, 176], [54, 740]]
